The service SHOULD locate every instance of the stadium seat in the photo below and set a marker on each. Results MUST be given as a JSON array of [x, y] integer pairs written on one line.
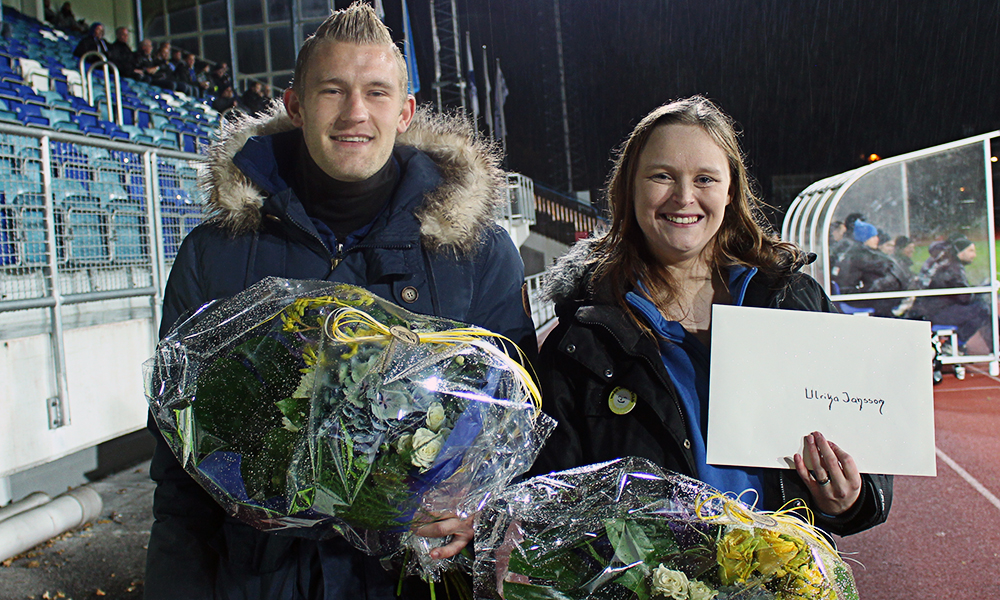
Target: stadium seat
[[129, 241], [34, 74], [31, 114]]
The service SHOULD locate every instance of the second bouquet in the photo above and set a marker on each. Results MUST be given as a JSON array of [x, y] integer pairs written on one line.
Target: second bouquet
[[321, 409]]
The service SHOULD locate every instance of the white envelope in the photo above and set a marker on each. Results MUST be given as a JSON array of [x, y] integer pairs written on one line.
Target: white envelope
[[864, 382]]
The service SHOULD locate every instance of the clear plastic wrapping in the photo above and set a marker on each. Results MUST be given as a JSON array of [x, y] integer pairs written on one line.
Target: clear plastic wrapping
[[626, 529], [319, 409]]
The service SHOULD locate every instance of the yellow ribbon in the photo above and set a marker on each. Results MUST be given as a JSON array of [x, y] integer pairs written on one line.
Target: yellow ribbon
[[786, 515], [352, 326]]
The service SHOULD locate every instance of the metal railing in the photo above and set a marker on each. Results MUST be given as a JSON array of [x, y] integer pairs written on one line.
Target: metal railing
[[86, 74], [520, 198], [87, 220], [543, 311]]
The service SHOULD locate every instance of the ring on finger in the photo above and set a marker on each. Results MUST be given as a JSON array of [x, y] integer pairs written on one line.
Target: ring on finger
[[819, 481]]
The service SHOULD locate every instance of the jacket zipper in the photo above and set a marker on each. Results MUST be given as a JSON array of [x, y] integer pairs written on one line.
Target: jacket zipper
[[338, 256], [341, 251]]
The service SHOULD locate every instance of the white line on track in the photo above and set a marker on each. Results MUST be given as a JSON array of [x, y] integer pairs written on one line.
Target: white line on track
[[968, 478], [982, 371]]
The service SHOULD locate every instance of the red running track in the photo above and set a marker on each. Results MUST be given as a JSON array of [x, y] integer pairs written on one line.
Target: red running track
[[942, 538]]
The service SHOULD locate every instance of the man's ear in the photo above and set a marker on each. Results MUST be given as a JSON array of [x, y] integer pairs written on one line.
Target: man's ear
[[406, 116], [293, 106]]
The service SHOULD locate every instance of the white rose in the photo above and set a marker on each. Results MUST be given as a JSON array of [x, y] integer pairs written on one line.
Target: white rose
[[699, 591], [404, 443], [435, 417], [426, 445], [669, 583]]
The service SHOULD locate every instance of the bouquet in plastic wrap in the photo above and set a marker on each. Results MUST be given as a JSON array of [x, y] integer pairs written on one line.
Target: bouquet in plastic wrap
[[626, 529], [321, 409]]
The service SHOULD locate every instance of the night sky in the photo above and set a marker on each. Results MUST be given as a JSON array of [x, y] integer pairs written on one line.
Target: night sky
[[816, 85]]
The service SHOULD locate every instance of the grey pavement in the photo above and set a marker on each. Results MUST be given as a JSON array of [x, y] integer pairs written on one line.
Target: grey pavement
[[102, 559]]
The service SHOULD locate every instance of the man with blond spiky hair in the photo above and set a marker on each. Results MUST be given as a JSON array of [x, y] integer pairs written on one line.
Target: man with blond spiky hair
[[346, 181]]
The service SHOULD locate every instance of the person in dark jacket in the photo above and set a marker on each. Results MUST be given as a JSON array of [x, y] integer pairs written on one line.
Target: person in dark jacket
[[163, 70], [144, 61], [185, 75], [253, 100], [94, 41], [625, 372], [967, 313], [903, 253], [346, 182], [120, 53], [864, 268], [224, 100]]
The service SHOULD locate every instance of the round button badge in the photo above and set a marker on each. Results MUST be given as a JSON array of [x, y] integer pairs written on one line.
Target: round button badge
[[621, 401]]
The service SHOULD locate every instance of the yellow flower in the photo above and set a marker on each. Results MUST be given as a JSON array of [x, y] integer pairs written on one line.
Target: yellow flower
[[775, 552], [735, 555]]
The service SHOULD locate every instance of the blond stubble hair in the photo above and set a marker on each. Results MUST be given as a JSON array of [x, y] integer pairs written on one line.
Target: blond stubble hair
[[356, 24]]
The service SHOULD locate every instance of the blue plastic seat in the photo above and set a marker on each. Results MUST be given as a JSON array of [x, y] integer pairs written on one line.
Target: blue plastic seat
[[8, 249], [846, 308], [28, 219], [27, 94], [31, 114], [86, 235], [129, 238]]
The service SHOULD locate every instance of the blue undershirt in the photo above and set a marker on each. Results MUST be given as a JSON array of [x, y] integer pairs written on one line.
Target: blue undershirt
[[687, 362]]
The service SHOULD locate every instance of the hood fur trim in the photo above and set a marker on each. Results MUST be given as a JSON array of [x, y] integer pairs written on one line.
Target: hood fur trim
[[453, 215], [569, 278]]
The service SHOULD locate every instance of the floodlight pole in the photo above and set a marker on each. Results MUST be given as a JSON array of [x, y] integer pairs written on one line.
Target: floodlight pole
[[562, 96]]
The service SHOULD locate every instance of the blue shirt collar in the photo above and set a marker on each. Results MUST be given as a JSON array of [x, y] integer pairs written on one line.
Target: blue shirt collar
[[737, 279]]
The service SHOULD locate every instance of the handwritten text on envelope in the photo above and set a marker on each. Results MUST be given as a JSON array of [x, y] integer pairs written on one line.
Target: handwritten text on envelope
[[864, 382]]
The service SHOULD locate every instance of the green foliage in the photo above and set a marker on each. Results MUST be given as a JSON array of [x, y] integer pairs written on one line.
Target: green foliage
[[523, 591], [236, 401], [343, 490]]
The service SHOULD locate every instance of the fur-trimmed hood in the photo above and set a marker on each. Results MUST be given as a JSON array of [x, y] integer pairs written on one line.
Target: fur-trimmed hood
[[569, 278], [468, 198]]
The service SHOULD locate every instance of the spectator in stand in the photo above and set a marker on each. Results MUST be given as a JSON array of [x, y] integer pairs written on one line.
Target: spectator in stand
[[903, 254], [886, 243], [224, 100], [144, 61], [120, 54], [203, 77], [184, 74], [864, 269], [67, 21], [253, 100], [843, 244], [968, 314], [51, 17], [92, 42], [177, 59], [220, 78], [164, 75]]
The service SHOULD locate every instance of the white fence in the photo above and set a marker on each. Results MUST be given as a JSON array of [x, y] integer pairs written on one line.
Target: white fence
[[88, 231]]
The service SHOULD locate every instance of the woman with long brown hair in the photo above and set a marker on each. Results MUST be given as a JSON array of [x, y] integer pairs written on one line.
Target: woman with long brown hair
[[626, 370]]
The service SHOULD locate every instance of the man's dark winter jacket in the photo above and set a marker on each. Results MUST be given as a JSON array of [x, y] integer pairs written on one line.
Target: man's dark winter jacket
[[435, 249], [597, 347]]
